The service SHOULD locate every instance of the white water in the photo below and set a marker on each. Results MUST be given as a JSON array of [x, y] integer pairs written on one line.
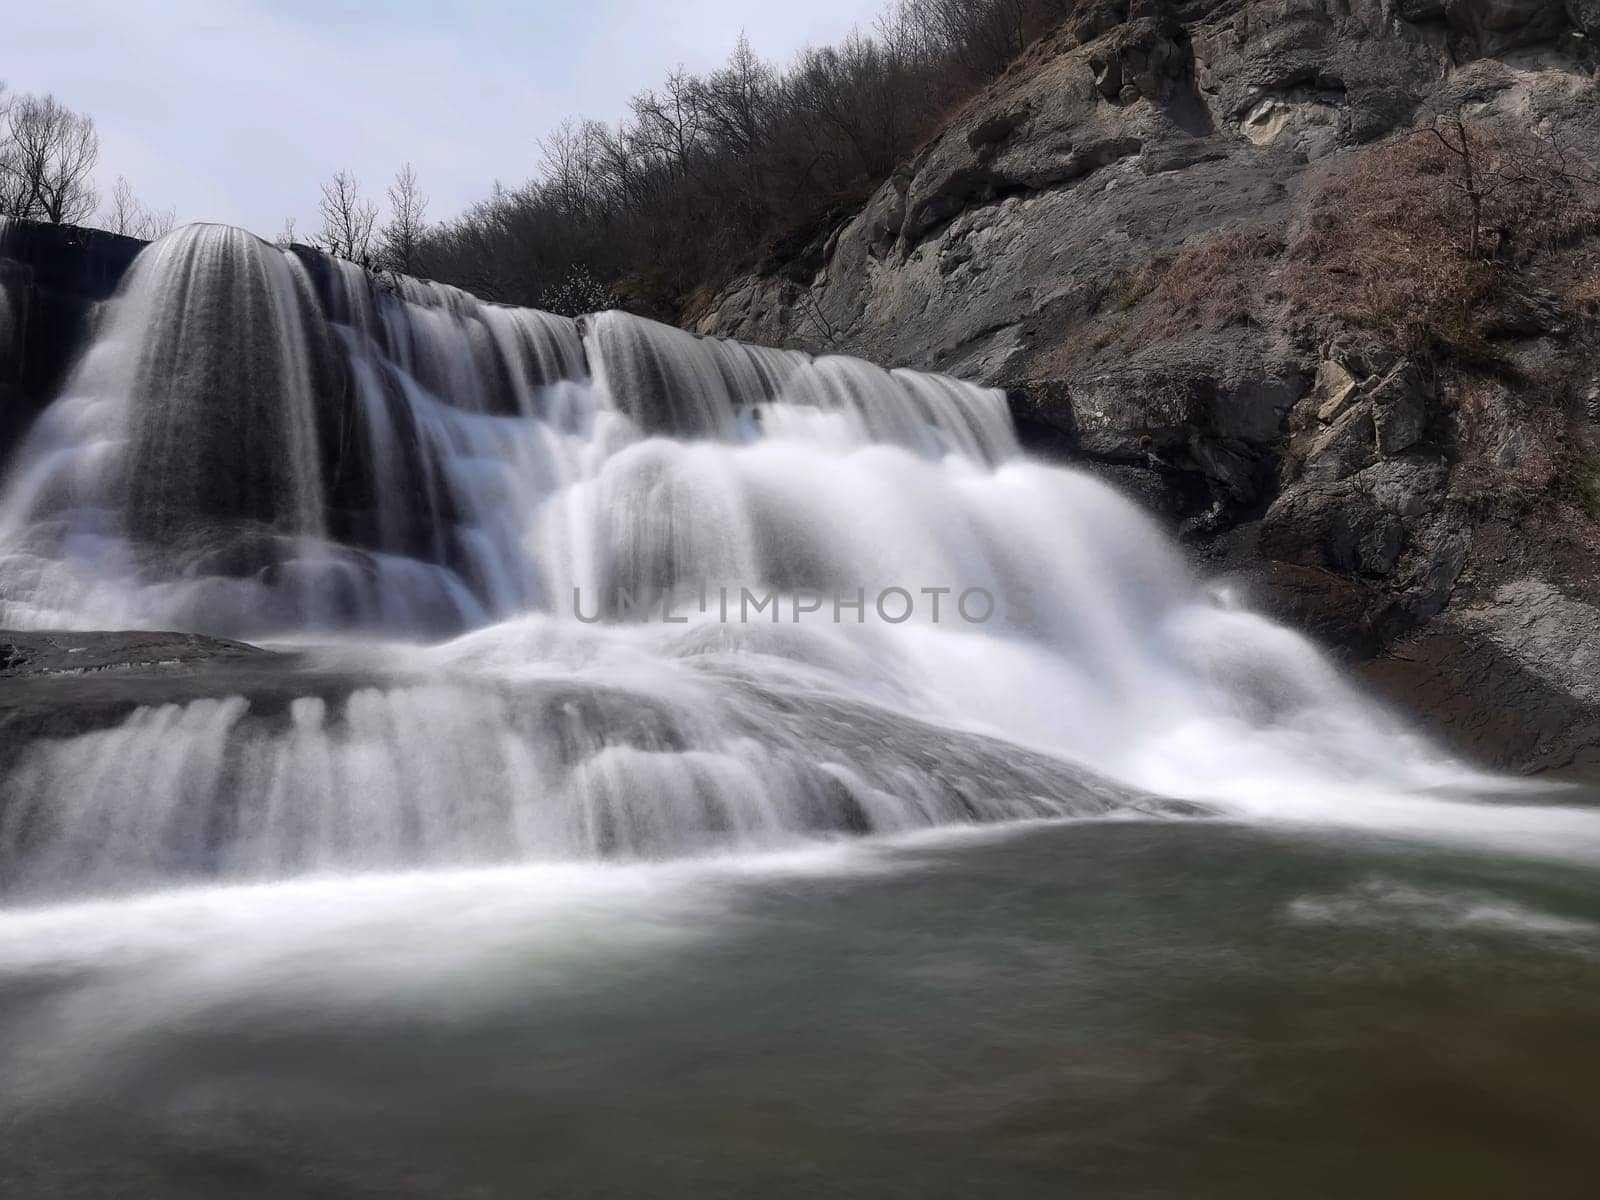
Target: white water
[[251, 448]]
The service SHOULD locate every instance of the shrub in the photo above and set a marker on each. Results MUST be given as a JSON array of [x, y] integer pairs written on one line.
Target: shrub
[[1427, 230]]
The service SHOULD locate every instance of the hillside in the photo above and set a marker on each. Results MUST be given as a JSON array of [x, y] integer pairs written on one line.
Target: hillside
[[1319, 284]]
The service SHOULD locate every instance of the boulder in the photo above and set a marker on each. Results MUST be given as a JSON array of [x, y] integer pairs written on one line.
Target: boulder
[[1360, 524]]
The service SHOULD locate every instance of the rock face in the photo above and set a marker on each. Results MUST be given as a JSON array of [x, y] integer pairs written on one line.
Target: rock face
[[1516, 676], [1117, 231], [52, 278], [62, 684]]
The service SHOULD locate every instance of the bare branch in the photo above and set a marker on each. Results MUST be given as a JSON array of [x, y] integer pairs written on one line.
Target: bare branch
[[47, 159], [348, 220], [402, 237]]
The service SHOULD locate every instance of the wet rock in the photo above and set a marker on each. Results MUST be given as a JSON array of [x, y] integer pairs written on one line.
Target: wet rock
[[61, 684], [51, 279], [1510, 680]]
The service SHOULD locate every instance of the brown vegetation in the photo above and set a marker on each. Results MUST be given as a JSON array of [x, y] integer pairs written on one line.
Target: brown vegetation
[[1211, 284], [709, 173], [1427, 235]]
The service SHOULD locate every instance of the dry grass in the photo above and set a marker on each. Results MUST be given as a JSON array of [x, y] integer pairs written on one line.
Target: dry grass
[[1208, 285], [1583, 295], [1388, 244], [1383, 250], [1385, 246], [1211, 285]]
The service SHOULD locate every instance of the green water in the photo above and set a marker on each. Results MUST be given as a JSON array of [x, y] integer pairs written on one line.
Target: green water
[[1176, 1009]]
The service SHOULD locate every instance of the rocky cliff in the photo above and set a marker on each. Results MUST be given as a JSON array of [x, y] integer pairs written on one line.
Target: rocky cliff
[[1319, 281]]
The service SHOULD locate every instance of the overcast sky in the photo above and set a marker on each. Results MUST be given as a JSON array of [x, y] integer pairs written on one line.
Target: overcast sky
[[236, 110]]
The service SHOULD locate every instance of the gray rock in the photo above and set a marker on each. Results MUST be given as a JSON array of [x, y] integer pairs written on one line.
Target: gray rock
[[1421, 10], [1360, 524], [1501, 25], [1553, 635], [885, 216], [1518, 315], [1342, 449], [1510, 680], [1400, 409], [1308, 120], [1334, 389]]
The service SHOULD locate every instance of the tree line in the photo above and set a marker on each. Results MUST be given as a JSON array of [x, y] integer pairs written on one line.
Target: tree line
[[706, 174]]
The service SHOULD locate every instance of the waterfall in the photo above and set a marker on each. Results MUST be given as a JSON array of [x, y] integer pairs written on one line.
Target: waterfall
[[596, 588]]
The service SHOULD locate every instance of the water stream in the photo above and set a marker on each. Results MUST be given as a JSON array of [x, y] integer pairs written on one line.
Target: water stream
[[624, 665]]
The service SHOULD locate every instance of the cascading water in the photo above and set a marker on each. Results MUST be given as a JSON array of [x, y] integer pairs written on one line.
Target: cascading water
[[516, 866], [702, 595]]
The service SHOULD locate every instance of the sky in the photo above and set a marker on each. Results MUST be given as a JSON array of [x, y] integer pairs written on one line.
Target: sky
[[237, 110]]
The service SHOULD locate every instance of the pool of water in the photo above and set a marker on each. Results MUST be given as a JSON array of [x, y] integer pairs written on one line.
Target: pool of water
[[1117, 1008]]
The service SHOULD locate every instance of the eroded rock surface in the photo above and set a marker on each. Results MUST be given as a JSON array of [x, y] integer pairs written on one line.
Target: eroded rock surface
[[61, 684]]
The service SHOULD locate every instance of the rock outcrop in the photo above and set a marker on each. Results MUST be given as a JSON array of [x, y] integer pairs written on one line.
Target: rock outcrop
[[1167, 232], [51, 279], [63, 684]]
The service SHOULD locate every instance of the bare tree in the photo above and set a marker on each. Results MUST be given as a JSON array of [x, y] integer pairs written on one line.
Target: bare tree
[[668, 123], [571, 161], [14, 192], [737, 102], [810, 308], [348, 221], [285, 237], [132, 219], [47, 160], [125, 213], [709, 174], [1486, 165], [157, 222], [402, 236]]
